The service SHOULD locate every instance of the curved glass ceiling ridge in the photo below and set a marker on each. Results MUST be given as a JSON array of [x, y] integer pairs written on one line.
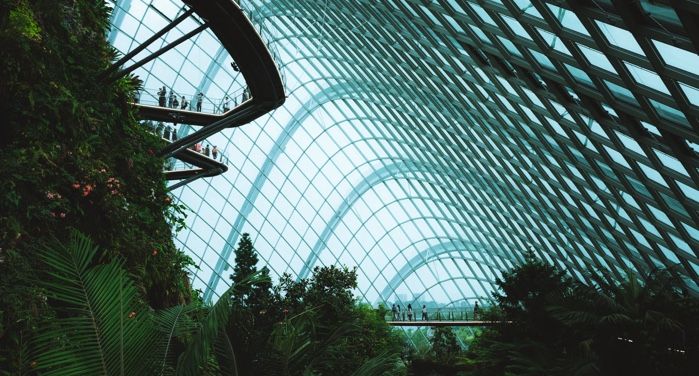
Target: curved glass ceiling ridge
[[432, 143]]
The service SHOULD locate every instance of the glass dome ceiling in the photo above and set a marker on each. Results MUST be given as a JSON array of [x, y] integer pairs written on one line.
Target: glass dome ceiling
[[430, 143]]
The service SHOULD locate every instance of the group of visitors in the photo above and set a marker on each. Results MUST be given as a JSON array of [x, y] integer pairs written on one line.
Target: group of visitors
[[207, 151], [408, 311], [398, 314], [165, 131], [171, 101]]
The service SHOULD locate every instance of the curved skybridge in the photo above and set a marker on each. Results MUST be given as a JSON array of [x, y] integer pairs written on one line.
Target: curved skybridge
[[257, 88]]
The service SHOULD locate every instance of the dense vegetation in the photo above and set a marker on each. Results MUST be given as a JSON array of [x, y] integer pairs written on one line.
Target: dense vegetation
[[73, 157], [562, 327], [91, 282], [310, 326]]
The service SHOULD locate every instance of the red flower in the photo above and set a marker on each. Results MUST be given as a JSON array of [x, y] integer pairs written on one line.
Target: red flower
[[87, 189]]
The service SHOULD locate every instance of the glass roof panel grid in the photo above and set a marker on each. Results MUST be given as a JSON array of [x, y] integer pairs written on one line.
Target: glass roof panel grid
[[403, 124]]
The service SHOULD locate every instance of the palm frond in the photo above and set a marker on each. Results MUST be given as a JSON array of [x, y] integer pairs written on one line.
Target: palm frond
[[377, 365], [212, 326], [171, 323], [223, 349], [102, 326]]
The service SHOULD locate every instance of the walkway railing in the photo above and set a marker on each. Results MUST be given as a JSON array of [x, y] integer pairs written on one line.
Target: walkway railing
[[435, 314], [210, 105], [264, 91]]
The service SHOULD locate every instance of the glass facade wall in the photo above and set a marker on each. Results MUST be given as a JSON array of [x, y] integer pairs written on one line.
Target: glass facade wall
[[429, 143]]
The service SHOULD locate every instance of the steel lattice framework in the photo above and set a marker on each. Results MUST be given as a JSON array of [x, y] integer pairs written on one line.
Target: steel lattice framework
[[431, 142]]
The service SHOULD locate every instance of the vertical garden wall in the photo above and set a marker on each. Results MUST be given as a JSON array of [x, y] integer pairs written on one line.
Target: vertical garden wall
[[72, 156]]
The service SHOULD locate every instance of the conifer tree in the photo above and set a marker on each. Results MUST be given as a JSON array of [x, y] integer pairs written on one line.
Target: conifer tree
[[245, 265], [251, 295]]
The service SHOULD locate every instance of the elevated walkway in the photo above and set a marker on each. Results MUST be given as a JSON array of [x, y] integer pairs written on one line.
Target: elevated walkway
[[265, 90], [476, 323]]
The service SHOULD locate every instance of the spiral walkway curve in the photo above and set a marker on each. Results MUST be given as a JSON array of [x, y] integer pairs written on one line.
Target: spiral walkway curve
[[238, 37]]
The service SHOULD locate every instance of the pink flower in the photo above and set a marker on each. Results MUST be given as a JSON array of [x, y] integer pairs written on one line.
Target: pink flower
[[62, 215], [87, 189], [76, 185]]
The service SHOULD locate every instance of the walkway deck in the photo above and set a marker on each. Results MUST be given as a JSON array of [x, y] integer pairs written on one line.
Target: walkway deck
[[448, 323], [264, 84]]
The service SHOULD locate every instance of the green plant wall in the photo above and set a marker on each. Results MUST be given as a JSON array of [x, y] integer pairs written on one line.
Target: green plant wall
[[72, 156]]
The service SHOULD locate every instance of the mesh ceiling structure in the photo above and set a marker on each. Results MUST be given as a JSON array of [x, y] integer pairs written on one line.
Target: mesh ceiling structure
[[431, 143]]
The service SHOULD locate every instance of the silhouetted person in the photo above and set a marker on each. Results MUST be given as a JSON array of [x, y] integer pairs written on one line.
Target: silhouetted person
[[235, 66], [174, 134], [184, 103], [170, 99], [214, 152], [226, 104], [200, 99], [207, 150], [476, 311], [161, 96], [394, 310], [403, 314], [410, 312], [159, 128], [175, 103], [166, 132], [424, 313]]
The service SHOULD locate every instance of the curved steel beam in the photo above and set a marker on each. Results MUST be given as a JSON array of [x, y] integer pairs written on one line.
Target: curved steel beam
[[430, 254]]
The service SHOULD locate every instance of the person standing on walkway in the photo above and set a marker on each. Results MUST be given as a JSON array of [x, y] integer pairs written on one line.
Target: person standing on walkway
[[424, 313], [214, 152], [171, 98], [394, 311], [476, 311], [410, 312], [184, 103], [207, 150], [161, 96], [200, 99]]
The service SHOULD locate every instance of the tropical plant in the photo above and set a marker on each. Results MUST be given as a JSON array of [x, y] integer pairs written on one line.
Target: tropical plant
[[444, 345], [104, 328], [72, 156], [644, 325], [296, 349]]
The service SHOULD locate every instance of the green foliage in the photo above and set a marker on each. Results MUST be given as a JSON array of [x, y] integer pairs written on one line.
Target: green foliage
[[444, 345], [309, 326], [251, 320], [104, 328], [101, 327], [641, 326], [73, 157]]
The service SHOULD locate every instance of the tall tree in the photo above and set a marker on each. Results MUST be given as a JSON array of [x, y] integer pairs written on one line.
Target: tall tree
[[251, 320], [245, 265]]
